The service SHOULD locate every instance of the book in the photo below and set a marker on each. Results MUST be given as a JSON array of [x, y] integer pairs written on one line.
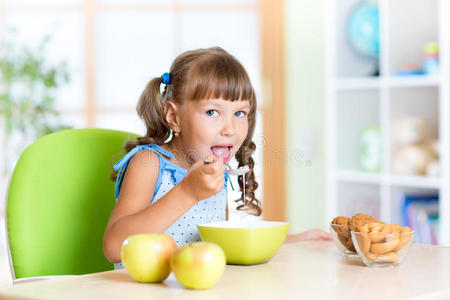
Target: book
[[421, 213]]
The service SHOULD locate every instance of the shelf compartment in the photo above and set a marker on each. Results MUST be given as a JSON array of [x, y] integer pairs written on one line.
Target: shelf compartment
[[422, 212], [356, 110], [418, 102], [412, 24], [358, 198], [349, 63]]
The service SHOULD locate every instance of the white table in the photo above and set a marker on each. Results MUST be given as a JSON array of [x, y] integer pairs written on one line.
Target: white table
[[302, 270]]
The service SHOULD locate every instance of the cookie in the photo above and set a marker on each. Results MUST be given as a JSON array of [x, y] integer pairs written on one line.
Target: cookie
[[387, 257], [342, 230], [405, 235], [360, 220], [349, 245]]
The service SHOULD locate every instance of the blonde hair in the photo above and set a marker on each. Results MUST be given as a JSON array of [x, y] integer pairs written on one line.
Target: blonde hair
[[196, 75]]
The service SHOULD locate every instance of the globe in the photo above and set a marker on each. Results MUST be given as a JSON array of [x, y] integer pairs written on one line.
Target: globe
[[363, 30]]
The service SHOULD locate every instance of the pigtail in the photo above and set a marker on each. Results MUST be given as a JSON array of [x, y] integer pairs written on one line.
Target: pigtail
[[244, 157], [150, 108]]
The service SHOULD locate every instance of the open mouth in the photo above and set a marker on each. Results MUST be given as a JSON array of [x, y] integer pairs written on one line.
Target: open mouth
[[223, 151]]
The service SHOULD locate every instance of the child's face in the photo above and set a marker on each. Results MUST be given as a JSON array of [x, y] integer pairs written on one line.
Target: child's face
[[213, 126]]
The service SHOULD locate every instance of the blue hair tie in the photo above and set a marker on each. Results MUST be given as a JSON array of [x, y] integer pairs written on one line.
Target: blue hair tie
[[165, 78]]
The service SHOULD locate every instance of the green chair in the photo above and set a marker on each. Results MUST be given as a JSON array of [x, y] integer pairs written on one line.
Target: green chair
[[59, 200]]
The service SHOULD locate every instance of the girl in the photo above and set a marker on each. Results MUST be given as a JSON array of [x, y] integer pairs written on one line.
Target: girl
[[174, 177]]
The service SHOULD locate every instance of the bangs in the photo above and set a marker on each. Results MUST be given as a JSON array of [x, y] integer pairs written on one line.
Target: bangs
[[219, 77]]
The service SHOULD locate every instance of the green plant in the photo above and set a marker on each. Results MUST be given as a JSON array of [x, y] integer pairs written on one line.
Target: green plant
[[28, 85]]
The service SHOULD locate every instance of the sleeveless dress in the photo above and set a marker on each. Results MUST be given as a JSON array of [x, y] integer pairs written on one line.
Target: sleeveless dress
[[184, 230]]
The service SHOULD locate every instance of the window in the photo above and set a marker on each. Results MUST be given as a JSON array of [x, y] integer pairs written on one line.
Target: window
[[114, 47]]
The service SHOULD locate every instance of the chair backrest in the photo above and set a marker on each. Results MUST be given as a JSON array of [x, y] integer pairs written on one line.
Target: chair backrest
[[59, 200]]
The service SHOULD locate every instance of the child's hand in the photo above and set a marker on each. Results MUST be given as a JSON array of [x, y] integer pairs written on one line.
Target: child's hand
[[313, 234], [204, 179]]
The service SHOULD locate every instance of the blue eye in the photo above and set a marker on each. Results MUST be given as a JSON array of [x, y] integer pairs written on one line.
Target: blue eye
[[239, 114], [212, 113]]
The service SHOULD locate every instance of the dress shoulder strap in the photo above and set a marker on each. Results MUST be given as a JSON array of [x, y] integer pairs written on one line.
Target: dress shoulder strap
[[122, 164]]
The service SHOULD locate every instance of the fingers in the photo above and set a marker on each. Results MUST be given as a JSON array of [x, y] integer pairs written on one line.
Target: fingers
[[210, 159], [327, 236], [318, 234], [207, 160], [201, 162], [313, 234], [213, 165]]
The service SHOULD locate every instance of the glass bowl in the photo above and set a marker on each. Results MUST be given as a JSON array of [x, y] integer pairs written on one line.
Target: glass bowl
[[343, 240], [382, 249]]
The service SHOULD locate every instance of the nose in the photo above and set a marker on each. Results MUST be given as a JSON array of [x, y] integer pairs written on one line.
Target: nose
[[227, 127]]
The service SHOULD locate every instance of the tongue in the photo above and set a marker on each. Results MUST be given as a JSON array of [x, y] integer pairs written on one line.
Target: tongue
[[223, 152]]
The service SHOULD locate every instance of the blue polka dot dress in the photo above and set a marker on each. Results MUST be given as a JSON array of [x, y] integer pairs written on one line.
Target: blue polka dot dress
[[184, 230]]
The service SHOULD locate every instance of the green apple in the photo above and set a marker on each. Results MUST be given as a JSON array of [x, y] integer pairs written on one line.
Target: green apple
[[198, 265], [146, 256]]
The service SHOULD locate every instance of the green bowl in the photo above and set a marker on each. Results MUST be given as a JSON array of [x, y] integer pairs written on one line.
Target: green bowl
[[246, 242]]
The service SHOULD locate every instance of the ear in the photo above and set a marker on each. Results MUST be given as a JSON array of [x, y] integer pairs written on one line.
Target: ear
[[171, 112]]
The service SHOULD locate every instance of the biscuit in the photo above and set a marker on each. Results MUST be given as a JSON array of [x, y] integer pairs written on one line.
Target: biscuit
[[387, 257], [363, 240], [349, 245], [360, 220], [342, 230], [390, 243], [404, 234]]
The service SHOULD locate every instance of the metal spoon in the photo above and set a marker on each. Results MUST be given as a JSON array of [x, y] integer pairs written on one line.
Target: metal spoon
[[239, 171]]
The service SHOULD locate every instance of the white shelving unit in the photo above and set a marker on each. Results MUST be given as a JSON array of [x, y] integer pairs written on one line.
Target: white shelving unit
[[355, 99]]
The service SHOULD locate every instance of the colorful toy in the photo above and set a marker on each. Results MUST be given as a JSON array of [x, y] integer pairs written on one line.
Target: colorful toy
[[431, 58]]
